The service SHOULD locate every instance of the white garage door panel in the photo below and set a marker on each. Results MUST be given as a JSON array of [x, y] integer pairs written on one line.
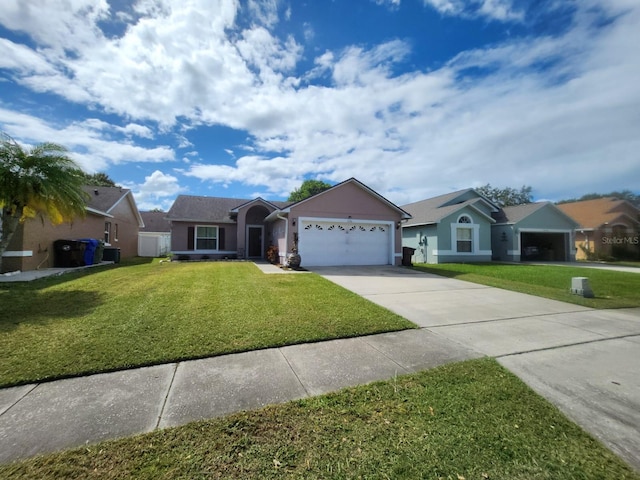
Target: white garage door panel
[[344, 242]]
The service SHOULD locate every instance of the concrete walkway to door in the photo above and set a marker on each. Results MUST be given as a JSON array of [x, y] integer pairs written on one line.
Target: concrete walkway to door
[[585, 361]]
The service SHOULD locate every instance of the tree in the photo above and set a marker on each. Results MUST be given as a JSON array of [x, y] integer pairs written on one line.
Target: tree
[[506, 197], [99, 179], [627, 195], [42, 181], [308, 189]]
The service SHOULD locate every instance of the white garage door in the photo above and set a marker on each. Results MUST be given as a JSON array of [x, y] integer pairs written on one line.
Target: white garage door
[[344, 242]]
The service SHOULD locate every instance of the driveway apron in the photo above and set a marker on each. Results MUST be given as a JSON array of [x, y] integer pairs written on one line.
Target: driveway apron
[[585, 361]]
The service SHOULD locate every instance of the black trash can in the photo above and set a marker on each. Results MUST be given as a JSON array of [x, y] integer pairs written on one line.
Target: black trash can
[[407, 253], [111, 254], [68, 253]]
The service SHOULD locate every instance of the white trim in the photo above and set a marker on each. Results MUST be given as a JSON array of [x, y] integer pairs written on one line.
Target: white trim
[[195, 238], [98, 212], [360, 220], [204, 252], [475, 242], [18, 253], [544, 230]]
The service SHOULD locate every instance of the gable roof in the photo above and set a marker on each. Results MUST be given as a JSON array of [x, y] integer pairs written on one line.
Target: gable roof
[[155, 222], [433, 210], [276, 205], [102, 200], [358, 183], [517, 213], [592, 214]]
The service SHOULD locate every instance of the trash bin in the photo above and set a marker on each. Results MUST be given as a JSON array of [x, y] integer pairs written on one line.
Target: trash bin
[[111, 254], [407, 253], [97, 258], [91, 244], [68, 253]]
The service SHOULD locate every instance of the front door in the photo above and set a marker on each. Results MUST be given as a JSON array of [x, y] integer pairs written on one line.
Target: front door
[[254, 241]]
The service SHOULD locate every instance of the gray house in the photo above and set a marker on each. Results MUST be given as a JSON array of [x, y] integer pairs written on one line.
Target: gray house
[[455, 227], [533, 232]]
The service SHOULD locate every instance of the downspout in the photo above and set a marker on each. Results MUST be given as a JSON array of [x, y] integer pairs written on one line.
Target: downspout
[[286, 234]]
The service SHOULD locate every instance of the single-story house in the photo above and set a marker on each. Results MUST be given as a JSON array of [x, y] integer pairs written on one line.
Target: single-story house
[[533, 231], [348, 224], [154, 239], [112, 216], [608, 227], [455, 227]]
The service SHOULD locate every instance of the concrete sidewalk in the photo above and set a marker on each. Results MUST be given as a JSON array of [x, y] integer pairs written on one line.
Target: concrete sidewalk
[[51, 416]]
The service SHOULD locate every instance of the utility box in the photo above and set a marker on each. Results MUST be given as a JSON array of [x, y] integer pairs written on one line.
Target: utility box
[[111, 254], [580, 286]]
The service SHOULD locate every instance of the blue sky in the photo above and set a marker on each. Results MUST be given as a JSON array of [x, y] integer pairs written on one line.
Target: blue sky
[[415, 98]]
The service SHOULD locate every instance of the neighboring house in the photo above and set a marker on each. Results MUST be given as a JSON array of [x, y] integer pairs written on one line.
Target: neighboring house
[[112, 216], [455, 227], [154, 239], [608, 227], [348, 224], [533, 231]]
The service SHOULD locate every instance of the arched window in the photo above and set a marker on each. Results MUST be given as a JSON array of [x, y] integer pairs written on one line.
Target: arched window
[[464, 235]]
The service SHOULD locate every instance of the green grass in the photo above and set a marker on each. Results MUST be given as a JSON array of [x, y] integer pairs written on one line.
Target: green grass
[[147, 313], [471, 420], [612, 289]]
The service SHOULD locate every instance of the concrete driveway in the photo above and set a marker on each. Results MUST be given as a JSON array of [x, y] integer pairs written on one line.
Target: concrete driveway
[[585, 361]]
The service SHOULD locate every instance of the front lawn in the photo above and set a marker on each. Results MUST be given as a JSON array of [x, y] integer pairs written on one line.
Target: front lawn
[[147, 313], [612, 289], [470, 420]]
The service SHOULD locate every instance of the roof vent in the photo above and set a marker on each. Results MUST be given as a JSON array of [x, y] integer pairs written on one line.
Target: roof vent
[[95, 191]]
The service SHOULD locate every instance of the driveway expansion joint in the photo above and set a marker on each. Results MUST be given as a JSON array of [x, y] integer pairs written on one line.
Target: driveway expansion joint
[[520, 317], [568, 345]]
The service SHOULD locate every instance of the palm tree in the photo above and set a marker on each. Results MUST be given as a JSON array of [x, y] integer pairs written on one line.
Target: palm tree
[[42, 181]]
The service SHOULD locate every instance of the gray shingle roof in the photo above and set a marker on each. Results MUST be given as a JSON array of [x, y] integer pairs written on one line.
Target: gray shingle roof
[[155, 222], [208, 209], [432, 210], [518, 212], [104, 198]]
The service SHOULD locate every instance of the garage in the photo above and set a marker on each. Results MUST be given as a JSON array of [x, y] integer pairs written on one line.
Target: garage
[[545, 246], [325, 242]]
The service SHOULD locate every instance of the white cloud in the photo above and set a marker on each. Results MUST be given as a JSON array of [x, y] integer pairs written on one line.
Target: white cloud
[[265, 12], [157, 191], [502, 10], [541, 110], [88, 141]]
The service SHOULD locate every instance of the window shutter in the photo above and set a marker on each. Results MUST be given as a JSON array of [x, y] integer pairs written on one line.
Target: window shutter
[[220, 238], [191, 233]]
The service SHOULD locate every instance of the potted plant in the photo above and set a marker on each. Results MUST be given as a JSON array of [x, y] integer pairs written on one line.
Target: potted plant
[[293, 259]]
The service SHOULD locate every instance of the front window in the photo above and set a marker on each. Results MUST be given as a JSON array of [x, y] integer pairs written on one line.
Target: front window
[[206, 238], [463, 240]]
